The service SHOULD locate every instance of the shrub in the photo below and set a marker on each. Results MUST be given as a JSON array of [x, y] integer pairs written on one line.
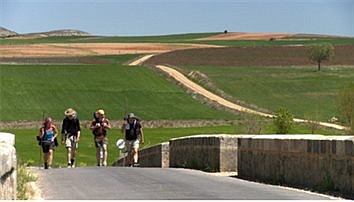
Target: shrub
[[346, 105], [252, 124], [283, 121], [23, 177]]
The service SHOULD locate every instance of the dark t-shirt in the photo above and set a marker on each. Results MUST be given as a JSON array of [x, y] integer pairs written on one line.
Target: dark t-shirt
[[70, 126], [132, 130]]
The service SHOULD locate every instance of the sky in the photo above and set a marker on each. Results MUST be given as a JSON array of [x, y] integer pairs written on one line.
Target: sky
[[162, 17]]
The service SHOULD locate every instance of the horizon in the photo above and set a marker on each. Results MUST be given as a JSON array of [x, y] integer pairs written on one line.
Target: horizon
[[170, 17], [221, 32]]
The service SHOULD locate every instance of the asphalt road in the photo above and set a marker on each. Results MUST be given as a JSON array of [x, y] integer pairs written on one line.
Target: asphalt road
[[118, 183]]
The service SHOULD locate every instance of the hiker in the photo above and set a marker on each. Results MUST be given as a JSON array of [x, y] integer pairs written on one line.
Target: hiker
[[47, 134], [133, 135], [99, 127], [70, 132]]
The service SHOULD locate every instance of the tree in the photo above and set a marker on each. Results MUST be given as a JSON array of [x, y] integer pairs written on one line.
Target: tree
[[320, 52], [283, 120], [346, 105]]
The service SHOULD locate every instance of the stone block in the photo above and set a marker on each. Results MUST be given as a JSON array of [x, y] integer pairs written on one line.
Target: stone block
[[340, 147], [8, 166], [349, 147]]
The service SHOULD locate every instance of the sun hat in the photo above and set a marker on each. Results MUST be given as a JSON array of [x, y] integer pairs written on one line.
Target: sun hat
[[69, 112], [131, 115], [100, 111]]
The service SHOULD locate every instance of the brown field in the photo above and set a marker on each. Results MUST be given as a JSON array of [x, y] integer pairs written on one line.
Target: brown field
[[86, 49], [250, 56]]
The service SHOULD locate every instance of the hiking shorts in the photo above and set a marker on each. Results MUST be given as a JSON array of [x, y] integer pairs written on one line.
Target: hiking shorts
[[132, 144], [101, 141], [47, 145], [71, 143]]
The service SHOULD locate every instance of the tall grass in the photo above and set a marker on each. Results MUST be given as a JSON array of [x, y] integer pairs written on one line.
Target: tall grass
[[24, 176]]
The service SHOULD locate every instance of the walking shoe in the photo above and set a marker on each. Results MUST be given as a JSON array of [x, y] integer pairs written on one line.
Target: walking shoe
[[69, 165], [72, 161], [45, 165], [136, 165]]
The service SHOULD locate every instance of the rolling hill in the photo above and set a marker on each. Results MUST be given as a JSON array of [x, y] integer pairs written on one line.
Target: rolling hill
[[6, 33]]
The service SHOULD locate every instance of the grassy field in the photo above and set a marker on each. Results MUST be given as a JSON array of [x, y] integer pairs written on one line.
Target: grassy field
[[28, 91], [181, 38], [300, 89], [175, 38], [28, 150]]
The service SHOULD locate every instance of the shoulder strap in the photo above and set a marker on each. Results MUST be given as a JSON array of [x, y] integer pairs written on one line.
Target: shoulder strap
[[44, 133]]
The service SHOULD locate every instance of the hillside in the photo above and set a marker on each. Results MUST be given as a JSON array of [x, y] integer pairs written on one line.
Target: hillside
[[55, 33], [6, 33], [65, 32]]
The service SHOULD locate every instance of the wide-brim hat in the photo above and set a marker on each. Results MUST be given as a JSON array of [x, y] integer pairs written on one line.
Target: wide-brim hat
[[131, 115], [100, 111], [69, 112]]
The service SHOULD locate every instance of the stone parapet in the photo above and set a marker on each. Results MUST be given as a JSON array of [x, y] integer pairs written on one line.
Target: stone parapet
[[213, 153], [8, 165], [315, 161], [155, 156]]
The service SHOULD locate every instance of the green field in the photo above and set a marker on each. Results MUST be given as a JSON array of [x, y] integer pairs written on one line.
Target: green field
[[181, 38], [300, 89], [28, 91], [175, 38]]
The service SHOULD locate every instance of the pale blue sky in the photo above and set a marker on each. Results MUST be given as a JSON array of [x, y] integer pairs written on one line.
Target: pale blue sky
[[160, 17]]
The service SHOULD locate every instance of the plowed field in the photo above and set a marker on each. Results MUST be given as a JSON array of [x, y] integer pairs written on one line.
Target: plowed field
[[250, 56]]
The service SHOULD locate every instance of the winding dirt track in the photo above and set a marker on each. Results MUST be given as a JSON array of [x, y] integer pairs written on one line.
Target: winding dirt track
[[202, 91]]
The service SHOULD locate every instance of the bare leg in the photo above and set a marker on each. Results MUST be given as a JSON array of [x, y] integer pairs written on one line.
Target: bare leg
[[73, 156], [68, 154], [50, 157], [98, 156], [45, 160], [105, 153], [135, 155]]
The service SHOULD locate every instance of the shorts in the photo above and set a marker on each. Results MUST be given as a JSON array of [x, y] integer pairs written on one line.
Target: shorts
[[132, 144], [71, 142], [101, 141], [47, 145]]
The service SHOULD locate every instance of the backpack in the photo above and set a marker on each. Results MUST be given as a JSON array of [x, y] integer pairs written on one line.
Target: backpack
[[135, 127]]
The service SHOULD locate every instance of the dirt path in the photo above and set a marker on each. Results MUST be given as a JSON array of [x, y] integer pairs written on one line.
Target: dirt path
[[140, 60], [200, 90]]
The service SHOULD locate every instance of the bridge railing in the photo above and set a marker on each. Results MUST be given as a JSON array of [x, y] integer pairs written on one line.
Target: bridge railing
[[312, 161]]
